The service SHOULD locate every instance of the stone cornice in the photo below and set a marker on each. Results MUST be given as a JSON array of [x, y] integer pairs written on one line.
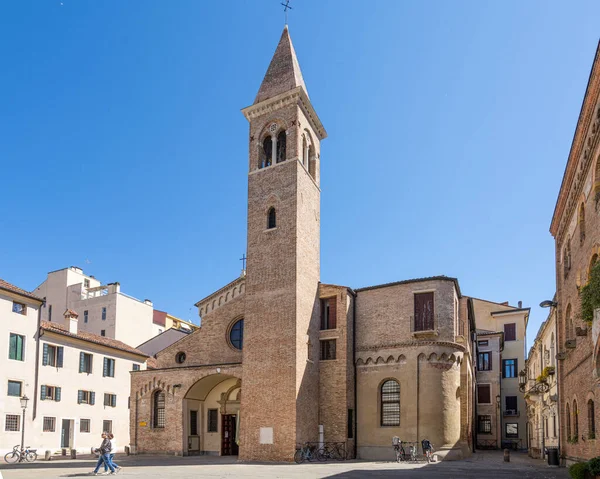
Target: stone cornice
[[567, 193], [238, 284], [413, 344], [296, 96]]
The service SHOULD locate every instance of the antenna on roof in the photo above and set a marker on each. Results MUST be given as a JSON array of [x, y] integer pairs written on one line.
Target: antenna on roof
[[286, 7]]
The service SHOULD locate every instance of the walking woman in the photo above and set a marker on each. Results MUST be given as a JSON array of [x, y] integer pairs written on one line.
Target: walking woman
[[111, 453], [104, 451]]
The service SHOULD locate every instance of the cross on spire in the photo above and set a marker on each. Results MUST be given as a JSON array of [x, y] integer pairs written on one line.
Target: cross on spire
[[286, 7], [243, 260]]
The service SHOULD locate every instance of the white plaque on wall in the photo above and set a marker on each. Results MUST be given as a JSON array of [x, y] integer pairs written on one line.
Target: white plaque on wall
[[266, 435]]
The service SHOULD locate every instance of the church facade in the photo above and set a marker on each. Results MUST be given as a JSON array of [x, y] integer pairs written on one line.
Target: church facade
[[282, 359]]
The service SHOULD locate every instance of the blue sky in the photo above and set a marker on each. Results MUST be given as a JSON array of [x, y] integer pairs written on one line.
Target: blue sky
[[124, 151]]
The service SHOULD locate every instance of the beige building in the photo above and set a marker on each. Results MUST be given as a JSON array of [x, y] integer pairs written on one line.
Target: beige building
[[103, 308], [541, 390], [499, 400], [576, 229], [281, 359]]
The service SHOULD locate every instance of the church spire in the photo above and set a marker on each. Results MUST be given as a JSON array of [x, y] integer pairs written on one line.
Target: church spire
[[283, 73]]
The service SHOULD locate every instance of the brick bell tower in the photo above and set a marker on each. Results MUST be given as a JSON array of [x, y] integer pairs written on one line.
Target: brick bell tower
[[279, 405]]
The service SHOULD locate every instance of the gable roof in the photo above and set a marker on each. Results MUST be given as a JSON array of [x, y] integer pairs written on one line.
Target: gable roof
[[284, 72], [6, 286], [91, 338], [415, 280]]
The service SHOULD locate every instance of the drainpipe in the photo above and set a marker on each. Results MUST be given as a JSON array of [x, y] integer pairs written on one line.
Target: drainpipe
[[40, 333], [355, 379]]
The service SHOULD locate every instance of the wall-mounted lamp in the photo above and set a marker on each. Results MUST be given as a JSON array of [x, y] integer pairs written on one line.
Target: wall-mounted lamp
[[548, 304]]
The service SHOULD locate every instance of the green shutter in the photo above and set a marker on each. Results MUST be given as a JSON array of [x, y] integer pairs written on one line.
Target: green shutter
[[105, 369], [12, 353], [43, 393], [59, 357], [45, 355], [112, 368], [20, 347], [57, 394], [92, 398], [81, 362], [114, 400], [79, 396]]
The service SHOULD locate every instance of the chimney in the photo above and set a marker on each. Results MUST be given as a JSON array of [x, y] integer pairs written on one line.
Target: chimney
[[148, 302], [71, 319], [505, 303], [520, 304]]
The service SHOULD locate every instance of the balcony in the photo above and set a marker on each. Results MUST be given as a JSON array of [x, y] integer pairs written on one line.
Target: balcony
[[424, 327], [511, 413]]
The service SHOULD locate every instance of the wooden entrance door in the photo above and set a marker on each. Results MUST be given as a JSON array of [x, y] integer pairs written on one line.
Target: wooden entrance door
[[228, 444]]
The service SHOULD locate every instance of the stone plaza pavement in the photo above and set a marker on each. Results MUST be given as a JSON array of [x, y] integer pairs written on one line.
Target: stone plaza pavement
[[483, 464]]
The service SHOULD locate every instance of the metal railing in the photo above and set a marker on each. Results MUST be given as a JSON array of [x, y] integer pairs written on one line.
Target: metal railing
[[487, 444], [426, 325]]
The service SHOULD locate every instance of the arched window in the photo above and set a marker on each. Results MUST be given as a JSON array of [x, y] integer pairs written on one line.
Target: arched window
[[568, 417], [271, 218], [569, 324], [552, 351], [158, 416], [591, 420], [567, 257], [236, 335], [312, 162], [304, 152], [281, 147], [390, 403], [268, 152], [575, 418], [581, 223]]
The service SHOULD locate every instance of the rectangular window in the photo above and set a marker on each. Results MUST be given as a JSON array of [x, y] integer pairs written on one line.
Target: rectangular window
[[14, 388], [350, 423], [509, 368], [86, 397], [85, 363], [85, 316], [547, 434], [193, 423], [484, 424], [110, 400], [16, 348], [86, 283], [103, 314], [483, 343], [84, 425], [136, 367], [12, 423], [49, 424], [328, 349], [512, 430], [19, 308], [511, 405], [213, 420], [328, 313], [484, 395], [109, 368], [107, 426], [510, 332], [103, 332], [423, 319], [52, 356], [554, 426], [484, 361], [50, 393], [50, 313]]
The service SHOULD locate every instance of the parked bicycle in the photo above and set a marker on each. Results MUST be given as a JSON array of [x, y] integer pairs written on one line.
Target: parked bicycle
[[334, 450], [398, 449], [20, 455], [308, 452]]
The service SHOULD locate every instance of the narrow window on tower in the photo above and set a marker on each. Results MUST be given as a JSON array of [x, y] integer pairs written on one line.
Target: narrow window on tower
[[271, 219], [267, 152], [281, 147]]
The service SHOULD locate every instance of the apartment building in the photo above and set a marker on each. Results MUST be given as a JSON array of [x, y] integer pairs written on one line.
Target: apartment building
[[104, 309], [499, 399]]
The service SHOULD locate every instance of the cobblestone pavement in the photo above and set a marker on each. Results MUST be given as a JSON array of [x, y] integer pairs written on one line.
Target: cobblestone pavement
[[480, 465]]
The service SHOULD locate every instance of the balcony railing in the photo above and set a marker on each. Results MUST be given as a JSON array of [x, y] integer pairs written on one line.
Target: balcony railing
[[511, 413], [425, 326]]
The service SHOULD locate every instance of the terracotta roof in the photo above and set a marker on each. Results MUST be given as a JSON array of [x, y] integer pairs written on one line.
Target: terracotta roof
[[415, 280], [5, 285], [70, 312], [91, 338], [152, 363]]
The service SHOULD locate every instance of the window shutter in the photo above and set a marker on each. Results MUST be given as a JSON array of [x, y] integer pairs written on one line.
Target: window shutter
[[105, 369], [504, 369], [112, 368], [92, 398], [81, 362], [323, 313], [113, 400], [57, 394], [332, 313], [43, 393], [79, 396], [59, 357], [45, 355], [105, 399], [13, 347]]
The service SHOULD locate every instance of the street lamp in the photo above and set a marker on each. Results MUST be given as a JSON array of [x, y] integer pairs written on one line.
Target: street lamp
[[548, 304], [522, 380], [24, 400]]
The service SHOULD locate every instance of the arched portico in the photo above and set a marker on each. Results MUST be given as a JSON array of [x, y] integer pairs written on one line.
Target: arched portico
[[211, 408]]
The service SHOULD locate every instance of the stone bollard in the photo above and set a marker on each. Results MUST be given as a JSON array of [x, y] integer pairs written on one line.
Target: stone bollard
[[73, 453], [506, 455], [47, 455], [127, 450]]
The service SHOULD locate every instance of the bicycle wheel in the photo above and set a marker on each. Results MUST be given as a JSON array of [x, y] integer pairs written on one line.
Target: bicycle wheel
[[340, 453], [322, 454], [299, 456], [31, 456], [12, 457], [311, 455]]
